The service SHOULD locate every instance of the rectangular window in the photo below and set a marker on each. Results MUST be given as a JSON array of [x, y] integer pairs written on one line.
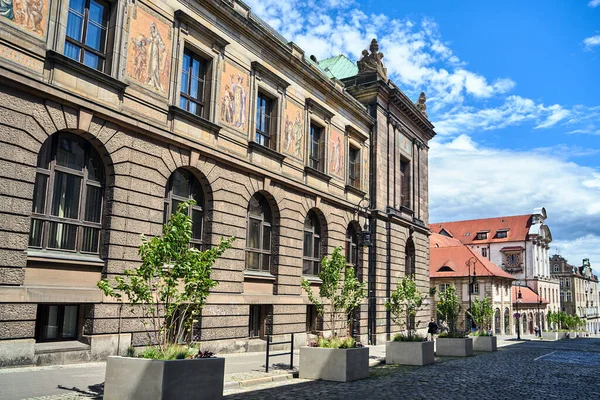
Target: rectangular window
[[562, 281], [476, 288], [568, 296], [568, 283], [354, 167], [87, 25], [256, 319], [481, 236], [484, 251], [405, 183], [311, 318], [56, 322], [443, 287], [193, 79], [264, 121], [501, 234], [317, 146]]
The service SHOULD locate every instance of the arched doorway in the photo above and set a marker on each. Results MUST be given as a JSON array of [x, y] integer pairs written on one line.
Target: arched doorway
[[506, 322], [497, 327], [523, 327]]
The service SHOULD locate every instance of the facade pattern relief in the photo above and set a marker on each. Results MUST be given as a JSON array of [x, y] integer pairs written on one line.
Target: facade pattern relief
[[293, 130], [234, 96], [29, 15], [150, 49]]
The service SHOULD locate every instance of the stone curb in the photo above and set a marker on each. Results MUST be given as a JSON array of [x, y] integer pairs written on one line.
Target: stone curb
[[257, 381]]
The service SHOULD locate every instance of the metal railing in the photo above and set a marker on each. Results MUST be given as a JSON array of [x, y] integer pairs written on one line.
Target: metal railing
[[291, 352]]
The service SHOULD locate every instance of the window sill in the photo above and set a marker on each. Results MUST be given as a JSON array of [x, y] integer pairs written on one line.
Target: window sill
[[311, 171], [312, 278], [203, 122], [84, 69], [63, 258], [355, 190], [250, 274], [259, 148]]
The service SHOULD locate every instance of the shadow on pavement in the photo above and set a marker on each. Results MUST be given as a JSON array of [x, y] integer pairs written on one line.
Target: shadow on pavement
[[94, 391]]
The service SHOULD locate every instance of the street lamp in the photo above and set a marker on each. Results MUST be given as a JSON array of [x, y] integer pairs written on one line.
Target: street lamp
[[519, 299], [472, 260], [364, 241]]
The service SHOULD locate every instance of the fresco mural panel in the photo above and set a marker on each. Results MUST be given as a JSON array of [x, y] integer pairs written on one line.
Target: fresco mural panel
[[235, 87], [28, 15], [150, 48], [293, 132], [336, 154]]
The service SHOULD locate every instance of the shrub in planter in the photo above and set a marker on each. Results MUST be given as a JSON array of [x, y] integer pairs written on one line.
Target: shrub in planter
[[407, 347], [336, 358], [452, 343], [167, 291], [482, 313]]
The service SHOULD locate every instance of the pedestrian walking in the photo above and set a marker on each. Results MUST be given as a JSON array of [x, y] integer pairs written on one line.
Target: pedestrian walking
[[432, 329], [537, 330]]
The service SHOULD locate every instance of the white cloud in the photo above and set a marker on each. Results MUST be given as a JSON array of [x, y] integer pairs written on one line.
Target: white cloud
[[594, 3], [469, 181], [591, 41]]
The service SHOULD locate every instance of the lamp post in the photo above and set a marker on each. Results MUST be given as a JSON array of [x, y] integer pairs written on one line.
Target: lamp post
[[364, 241], [519, 298], [472, 260], [539, 315]]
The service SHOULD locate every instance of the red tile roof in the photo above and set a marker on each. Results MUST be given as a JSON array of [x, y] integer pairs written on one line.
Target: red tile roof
[[466, 231], [529, 296], [450, 252]]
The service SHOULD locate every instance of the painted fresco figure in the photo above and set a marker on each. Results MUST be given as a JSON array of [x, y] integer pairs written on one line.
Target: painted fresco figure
[[156, 57], [6, 9], [298, 134], [140, 56], [30, 14], [239, 102], [287, 137], [336, 157], [227, 105]]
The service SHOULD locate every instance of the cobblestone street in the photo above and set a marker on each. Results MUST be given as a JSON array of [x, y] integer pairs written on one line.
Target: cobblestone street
[[565, 369]]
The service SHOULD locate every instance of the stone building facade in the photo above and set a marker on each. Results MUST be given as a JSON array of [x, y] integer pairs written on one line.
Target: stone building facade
[[453, 263], [112, 113], [578, 290]]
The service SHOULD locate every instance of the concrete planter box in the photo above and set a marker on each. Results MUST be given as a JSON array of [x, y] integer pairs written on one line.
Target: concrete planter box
[[573, 335], [340, 365], [454, 347], [554, 335], [485, 343], [409, 353], [143, 379]]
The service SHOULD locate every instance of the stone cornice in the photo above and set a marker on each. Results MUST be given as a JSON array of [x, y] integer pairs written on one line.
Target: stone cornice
[[214, 37], [233, 14], [264, 71]]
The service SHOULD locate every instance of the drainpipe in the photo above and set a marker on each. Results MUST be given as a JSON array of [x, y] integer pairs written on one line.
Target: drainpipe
[[372, 259]]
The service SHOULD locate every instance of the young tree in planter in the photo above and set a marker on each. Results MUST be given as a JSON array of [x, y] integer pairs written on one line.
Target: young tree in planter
[[172, 283], [449, 309], [340, 289], [403, 304], [482, 313]]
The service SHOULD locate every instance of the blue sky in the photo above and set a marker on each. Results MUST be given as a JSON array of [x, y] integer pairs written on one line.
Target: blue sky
[[512, 88]]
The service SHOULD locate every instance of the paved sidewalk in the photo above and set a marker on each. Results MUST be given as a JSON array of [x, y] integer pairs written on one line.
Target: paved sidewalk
[[84, 381]]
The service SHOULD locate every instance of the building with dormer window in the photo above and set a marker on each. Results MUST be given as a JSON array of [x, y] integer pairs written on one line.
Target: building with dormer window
[[519, 244]]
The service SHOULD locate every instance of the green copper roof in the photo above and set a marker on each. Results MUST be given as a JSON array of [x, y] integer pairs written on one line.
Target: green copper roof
[[338, 67]]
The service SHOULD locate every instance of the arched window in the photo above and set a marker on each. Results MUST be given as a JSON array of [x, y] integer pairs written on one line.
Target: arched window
[[258, 241], [183, 186], [409, 258], [351, 245], [311, 258], [67, 196]]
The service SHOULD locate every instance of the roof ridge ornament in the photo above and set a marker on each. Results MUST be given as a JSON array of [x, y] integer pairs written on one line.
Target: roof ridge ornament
[[420, 104], [372, 62]]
